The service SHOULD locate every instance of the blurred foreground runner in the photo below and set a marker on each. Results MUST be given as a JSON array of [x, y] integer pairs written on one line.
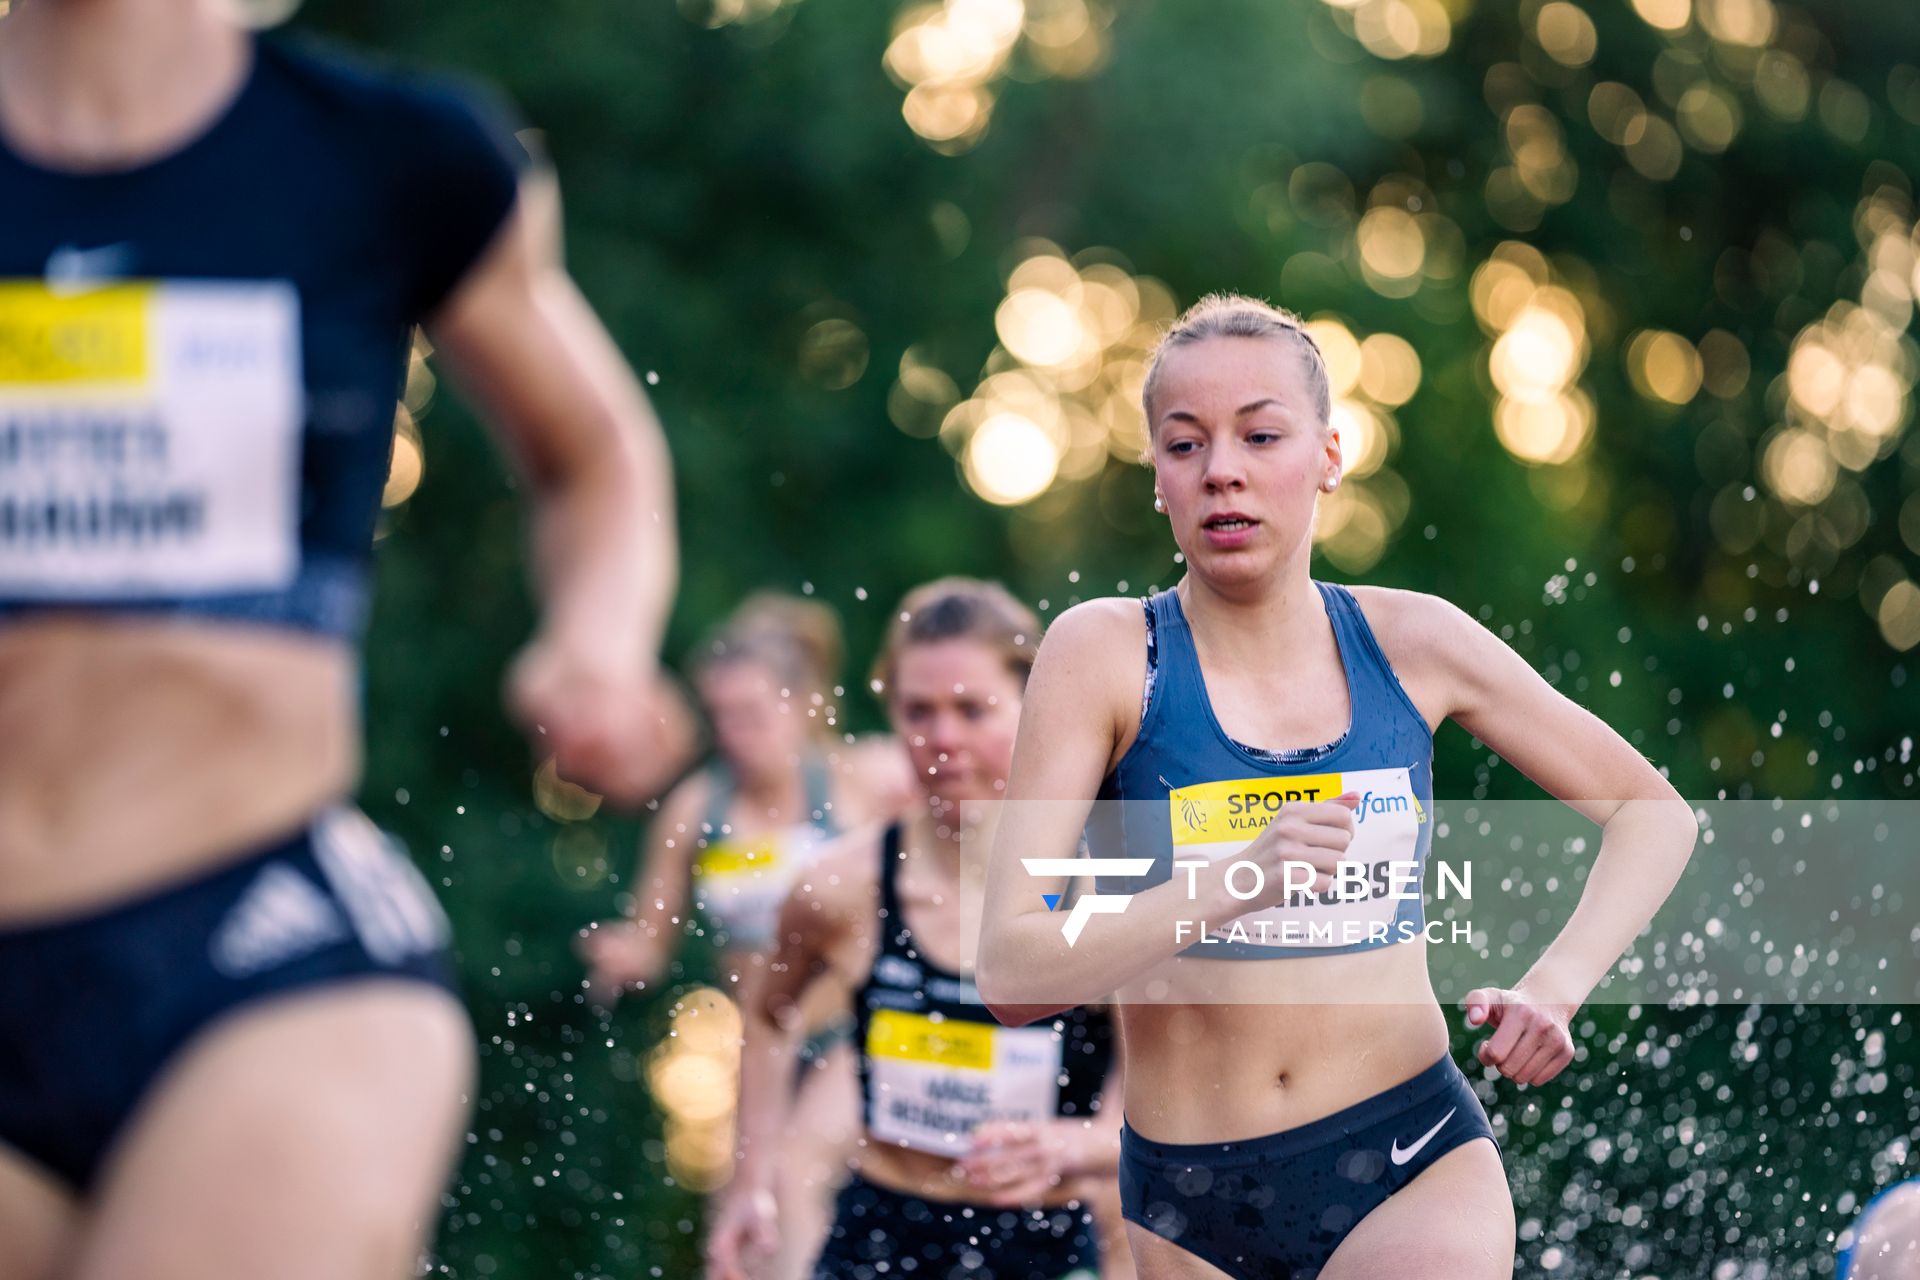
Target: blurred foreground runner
[[227, 1042]]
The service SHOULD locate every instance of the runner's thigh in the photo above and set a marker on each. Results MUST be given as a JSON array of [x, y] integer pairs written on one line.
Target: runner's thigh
[[1157, 1259], [36, 1219], [1454, 1220], [304, 1138]]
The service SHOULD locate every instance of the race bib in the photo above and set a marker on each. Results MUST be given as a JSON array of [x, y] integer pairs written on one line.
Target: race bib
[[149, 439], [1216, 820], [935, 1080], [742, 885]]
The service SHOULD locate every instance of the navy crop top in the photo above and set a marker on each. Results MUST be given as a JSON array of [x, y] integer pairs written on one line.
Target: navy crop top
[[200, 355]]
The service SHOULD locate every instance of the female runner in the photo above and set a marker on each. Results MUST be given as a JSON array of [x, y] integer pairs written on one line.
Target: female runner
[[734, 837], [980, 1141], [1332, 1137], [227, 1046]]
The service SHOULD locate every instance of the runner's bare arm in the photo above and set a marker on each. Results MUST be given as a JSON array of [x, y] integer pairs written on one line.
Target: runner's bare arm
[[1647, 835], [621, 953], [517, 334], [827, 916]]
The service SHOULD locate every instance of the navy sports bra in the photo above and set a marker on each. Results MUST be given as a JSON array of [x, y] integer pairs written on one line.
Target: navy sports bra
[[934, 1063], [1190, 792], [200, 356]]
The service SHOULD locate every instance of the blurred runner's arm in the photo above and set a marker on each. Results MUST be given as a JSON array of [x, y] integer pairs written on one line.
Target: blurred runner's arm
[[636, 949], [1647, 832], [819, 920], [519, 337]]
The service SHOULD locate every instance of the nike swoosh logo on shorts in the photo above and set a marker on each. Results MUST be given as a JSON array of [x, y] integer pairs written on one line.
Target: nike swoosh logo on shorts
[[1401, 1157]]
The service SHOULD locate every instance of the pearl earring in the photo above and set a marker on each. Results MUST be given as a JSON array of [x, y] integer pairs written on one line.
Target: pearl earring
[[1159, 504]]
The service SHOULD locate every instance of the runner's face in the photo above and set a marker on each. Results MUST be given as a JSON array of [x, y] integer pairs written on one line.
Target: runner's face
[[756, 728], [1236, 434], [956, 706]]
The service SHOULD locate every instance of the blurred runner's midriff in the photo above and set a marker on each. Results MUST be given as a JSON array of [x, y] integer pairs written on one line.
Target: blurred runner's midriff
[[134, 752]]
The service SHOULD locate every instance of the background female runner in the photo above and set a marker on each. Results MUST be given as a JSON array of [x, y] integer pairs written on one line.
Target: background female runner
[[978, 1138], [1325, 1139], [226, 1043], [733, 837]]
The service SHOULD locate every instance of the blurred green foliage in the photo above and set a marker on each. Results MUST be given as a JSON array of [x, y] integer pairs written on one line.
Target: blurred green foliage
[[729, 187]]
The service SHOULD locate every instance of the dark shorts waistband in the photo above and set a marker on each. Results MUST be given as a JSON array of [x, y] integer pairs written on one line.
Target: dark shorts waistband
[[1288, 1143]]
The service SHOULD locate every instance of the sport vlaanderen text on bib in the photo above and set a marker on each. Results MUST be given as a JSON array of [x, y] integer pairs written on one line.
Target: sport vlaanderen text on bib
[[1216, 820]]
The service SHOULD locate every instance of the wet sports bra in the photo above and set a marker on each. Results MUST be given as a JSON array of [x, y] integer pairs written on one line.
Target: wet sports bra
[[1187, 791], [200, 355], [739, 882], [934, 1063]]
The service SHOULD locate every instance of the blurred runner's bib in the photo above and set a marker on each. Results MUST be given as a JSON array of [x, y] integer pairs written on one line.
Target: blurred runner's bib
[[150, 439], [1217, 820], [935, 1079], [741, 886]]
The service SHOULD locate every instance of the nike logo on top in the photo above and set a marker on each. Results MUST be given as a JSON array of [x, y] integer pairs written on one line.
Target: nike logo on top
[[71, 269], [1402, 1156]]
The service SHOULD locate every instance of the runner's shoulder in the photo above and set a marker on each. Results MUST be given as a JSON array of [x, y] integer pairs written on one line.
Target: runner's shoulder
[[1098, 630], [1098, 649], [1416, 627]]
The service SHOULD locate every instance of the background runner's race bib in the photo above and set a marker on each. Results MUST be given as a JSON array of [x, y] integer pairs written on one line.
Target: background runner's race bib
[[1216, 820], [149, 439], [935, 1080], [743, 885]]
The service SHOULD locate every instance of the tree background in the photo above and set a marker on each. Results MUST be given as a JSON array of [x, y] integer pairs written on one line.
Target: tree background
[[1656, 263]]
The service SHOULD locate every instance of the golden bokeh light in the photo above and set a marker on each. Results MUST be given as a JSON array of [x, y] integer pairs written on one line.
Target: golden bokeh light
[[1352, 528], [1748, 23], [1389, 369], [1011, 460], [1655, 151], [1536, 357], [559, 799], [1550, 431], [1566, 32], [1899, 616], [1340, 351], [1040, 327], [1664, 15], [1781, 83], [833, 353], [1397, 29], [1363, 437], [1391, 245], [948, 56], [1725, 365], [1709, 117], [1616, 112], [408, 464], [1664, 366], [694, 1074], [1798, 467]]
